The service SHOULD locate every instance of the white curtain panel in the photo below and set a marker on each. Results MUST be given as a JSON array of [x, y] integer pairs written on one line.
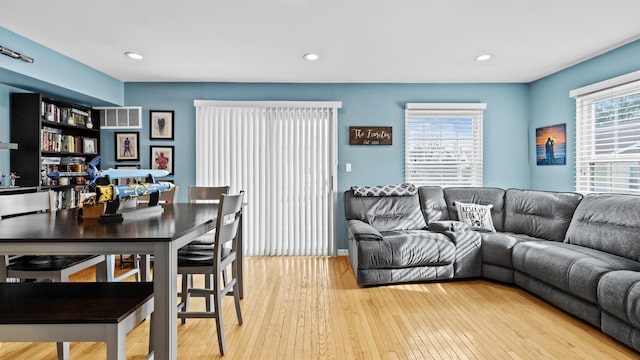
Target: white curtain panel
[[284, 156]]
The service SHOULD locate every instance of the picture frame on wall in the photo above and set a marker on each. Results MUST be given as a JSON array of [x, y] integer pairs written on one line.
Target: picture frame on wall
[[127, 146], [162, 158], [90, 146], [161, 124], [551, 145]]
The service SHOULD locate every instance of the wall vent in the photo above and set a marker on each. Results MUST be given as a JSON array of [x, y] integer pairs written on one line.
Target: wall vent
[[124, 117]]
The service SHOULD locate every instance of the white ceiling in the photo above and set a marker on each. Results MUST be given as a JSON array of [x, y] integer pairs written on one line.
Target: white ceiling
[[397, 41]]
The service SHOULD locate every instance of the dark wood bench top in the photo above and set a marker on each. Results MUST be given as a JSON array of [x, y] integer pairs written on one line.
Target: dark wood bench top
[[72, 303]]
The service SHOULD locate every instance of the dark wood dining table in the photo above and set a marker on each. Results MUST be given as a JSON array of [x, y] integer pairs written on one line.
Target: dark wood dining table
[[158, 233]]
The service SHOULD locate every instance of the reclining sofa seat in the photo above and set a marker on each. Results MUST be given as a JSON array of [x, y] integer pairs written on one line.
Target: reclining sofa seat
[[389, 243], [580, 254]]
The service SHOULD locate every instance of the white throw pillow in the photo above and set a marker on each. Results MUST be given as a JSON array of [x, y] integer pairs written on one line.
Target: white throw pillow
[[476, 216]]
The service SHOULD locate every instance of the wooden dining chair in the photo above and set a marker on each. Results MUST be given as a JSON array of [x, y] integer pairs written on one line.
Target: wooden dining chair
[[202, 247], [215, 263], [55, 268], [141, 264]]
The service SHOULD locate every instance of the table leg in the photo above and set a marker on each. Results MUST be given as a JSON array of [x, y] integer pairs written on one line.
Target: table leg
[[145, 267], [165, 325]]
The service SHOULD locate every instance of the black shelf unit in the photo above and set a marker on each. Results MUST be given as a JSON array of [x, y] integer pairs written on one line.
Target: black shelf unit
[[30, 114]]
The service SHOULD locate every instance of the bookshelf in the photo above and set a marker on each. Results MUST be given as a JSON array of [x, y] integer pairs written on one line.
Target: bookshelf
[[52, 134]]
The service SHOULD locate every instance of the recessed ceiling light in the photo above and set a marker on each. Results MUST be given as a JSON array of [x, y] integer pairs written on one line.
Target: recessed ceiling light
[[134, 55], [483, 57], [311, 56]]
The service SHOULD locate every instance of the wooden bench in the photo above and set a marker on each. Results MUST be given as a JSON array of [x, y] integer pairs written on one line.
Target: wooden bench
[[64, 312]]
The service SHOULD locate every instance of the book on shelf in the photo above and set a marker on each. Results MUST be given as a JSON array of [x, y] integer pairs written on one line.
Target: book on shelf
[[65, 115]]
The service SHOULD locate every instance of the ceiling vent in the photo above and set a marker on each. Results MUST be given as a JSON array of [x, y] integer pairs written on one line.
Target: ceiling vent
[[124, 117]]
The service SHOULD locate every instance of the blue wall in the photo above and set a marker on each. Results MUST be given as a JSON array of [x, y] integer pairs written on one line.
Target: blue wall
[[513, 113], [551, 104], [55, 74], [505, 125]]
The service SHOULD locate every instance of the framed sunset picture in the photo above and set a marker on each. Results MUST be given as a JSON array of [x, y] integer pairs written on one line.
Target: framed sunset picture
[[551, 145]]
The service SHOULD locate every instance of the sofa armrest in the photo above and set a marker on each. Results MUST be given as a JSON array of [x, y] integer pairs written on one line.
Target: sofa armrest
[[363, 231], [448, 226]]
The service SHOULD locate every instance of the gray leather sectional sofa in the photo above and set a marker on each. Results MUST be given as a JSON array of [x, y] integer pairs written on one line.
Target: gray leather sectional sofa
[[581, 254]]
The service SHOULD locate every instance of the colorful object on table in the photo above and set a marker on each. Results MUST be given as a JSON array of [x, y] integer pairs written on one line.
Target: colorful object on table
[[110, 192]]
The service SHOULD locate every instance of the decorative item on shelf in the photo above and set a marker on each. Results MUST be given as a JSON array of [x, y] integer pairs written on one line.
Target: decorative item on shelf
[[89, 123], [14, 177]]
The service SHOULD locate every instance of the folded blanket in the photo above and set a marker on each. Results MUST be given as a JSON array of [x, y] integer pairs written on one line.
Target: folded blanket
[[405, 189]]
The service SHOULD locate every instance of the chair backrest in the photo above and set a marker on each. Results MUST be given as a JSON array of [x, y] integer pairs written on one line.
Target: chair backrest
[[206, 193], [16, 204], [229, 213]]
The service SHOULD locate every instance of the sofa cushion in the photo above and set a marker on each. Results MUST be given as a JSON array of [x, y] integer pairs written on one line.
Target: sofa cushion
[[363, 231], [478, 217], [608, 222], [480, 196], [619, 295], [432, 204], [405, 189], [541, 214], [497, 248], [406, 249], [574, 269], [385, 213]]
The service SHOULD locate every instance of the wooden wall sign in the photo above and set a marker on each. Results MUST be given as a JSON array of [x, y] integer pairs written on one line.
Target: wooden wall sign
[[370, 135]]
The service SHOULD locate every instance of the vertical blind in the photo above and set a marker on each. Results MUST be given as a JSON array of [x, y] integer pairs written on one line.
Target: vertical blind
[[608, 139], [443, 144], [284, 156]]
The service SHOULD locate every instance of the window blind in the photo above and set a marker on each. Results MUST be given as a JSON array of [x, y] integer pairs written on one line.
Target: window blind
[[443, 144], [284, 156], [608, 140]]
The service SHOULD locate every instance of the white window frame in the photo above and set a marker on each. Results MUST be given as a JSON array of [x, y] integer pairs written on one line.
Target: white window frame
[[424, 167], [605, 172]]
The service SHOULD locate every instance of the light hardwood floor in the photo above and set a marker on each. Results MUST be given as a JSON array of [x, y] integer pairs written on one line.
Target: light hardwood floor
[[311, 308]]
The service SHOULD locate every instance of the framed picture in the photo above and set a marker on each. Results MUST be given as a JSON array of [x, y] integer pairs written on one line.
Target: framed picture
[[551, 145], [127, 181], [127, 146], [162, 158], [89, 145], [161, 124]]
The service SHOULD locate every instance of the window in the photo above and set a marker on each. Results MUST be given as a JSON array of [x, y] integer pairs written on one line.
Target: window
[[443, 144], [608, 139]]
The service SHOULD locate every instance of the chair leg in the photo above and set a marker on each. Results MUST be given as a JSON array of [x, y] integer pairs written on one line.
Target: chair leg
[[208, 284], [184, 296], [103, 270], [150, 334], [236, 293], [136, 265], [236, 300], [63, 350], [219, 325]]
